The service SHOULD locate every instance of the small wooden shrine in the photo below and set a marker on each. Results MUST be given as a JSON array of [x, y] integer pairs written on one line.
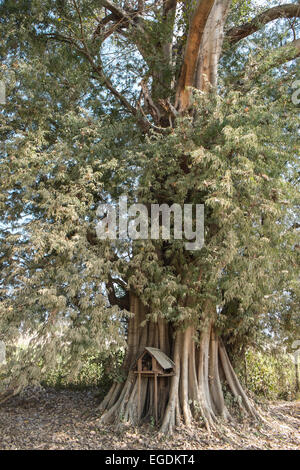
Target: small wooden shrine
[[153, 363]]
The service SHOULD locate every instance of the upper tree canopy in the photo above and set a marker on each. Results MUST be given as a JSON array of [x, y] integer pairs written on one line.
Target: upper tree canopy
[[106, 98]]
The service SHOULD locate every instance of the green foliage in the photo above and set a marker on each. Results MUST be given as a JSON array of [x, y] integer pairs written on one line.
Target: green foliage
[[96, 372], [68, 145], [90, 375], [271, 376], [238, 167]]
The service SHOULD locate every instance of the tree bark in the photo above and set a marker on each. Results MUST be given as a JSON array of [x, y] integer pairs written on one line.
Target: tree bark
[[196, 32], [211, 46], [194, 392], [297, 375]]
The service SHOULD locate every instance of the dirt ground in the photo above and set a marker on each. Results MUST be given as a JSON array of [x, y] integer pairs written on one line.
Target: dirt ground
[[50, 419]]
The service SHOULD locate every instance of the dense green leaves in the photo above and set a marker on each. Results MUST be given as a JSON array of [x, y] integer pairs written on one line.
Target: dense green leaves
[[67, 144]]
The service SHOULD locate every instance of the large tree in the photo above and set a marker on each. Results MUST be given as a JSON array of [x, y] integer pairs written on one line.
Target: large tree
[[166, 102]]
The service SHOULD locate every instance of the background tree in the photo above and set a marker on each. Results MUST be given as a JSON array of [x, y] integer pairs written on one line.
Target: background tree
[[166, 102]]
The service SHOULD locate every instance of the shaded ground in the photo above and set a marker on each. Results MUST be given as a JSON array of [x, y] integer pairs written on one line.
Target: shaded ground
[[49, 419]]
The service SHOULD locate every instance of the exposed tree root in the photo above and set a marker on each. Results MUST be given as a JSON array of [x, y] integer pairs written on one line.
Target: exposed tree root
[[13, 390], [194, 393]]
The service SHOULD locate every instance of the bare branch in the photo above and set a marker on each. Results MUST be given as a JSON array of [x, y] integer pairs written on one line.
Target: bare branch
[[121, 302], [289, 10], [169, 5], [154, 111], [106, 81], [169, 11], [117, 11], [121, 14], [80, 19]]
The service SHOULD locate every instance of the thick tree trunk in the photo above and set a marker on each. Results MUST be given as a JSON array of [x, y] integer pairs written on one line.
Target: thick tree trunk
[[195, 392], [121, 402], [297, 375], [211, 46]]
